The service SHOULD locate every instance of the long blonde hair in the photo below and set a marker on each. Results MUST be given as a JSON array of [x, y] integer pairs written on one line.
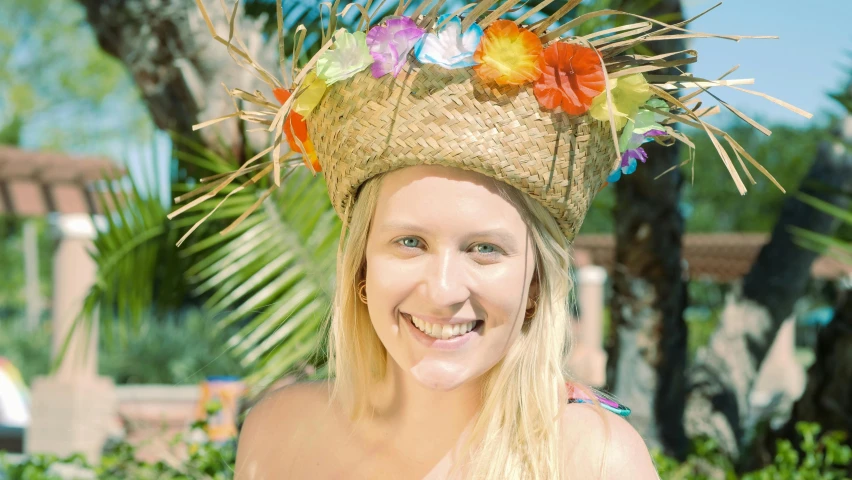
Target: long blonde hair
[[516, 433]]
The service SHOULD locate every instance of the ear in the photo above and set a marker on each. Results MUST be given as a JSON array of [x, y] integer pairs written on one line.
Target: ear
[[534, 292]]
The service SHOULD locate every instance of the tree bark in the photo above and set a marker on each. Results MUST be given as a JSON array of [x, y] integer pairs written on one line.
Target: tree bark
[[827, 398], [177, 65], [724, 372], [648, 344]]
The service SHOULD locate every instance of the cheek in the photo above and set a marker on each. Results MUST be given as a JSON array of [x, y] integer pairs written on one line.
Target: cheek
[[505, 291], [387, 284]]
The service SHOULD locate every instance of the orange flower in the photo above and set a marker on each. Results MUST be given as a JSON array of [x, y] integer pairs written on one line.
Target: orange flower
[[571, 77], [507, 54], [295, 127]]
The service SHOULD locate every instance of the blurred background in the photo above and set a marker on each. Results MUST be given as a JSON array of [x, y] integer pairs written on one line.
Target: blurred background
[[723, 321]]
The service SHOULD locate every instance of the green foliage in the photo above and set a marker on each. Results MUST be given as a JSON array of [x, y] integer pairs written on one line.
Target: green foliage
[[205, 460], [818, 457], [29, 351], [140, 269], [272, 276], [53, 74], [266, 283], [844, 96], [12, 281], [176, 350]]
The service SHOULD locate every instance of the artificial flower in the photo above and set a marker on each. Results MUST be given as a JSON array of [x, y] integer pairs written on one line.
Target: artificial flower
[[625, 169], [641, 129], [390, 44], [571, 77], [311, 94], [628, 94], [349, 56], [450, 47], [296, 128], [507, 54]]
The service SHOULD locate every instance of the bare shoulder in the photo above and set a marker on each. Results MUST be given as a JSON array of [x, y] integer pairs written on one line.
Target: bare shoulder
[[603, 445], [276, 425]]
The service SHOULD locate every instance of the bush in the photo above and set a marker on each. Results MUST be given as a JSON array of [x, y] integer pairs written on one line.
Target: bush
[[29, 351], [176, 350], [206, 461], [819, 457]]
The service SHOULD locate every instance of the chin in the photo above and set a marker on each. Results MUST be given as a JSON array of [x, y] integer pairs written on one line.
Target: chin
[[442, 375]]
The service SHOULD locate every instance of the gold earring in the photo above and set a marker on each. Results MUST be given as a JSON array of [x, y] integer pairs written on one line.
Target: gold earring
[[531, 311], [362, 291]]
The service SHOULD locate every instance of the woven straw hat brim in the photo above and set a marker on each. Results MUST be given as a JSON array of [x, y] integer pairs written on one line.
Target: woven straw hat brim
[[429, 115]]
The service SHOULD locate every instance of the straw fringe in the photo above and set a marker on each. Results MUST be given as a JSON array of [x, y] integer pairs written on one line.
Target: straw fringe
[[552, 156]]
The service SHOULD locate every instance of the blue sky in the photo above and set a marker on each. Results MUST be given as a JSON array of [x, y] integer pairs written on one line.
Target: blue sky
[[808, 60]]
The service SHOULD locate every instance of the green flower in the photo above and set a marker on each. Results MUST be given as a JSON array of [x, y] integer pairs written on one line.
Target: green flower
[[628, 94], [349, 56]]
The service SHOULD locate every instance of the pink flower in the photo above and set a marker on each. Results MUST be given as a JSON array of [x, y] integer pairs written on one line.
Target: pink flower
[[390, 44]]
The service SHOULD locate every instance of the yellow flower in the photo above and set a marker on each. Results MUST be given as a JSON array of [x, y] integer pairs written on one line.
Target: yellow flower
[[628, 94], [507, 54], [314, 89]]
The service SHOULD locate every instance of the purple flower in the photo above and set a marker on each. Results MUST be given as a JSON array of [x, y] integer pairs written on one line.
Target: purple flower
[[634, 153], [390, 44], [637, 153]]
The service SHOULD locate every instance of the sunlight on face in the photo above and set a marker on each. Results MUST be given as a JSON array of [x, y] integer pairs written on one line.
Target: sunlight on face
[[446, 248]]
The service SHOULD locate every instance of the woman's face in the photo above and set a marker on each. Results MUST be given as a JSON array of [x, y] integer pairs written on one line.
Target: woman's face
[[447, 255]]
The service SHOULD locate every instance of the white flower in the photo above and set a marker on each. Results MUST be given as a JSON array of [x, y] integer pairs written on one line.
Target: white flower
[[450, 47]]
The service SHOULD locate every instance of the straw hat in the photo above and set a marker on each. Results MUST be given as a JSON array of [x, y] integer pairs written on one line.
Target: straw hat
[[553, 115], [437, 117]]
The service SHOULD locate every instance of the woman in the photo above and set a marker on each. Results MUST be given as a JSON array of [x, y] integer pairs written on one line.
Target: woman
[[462, 154], [436, 247]]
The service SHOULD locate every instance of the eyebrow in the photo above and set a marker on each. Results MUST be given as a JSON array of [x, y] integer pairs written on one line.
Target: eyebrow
[[500, 233]]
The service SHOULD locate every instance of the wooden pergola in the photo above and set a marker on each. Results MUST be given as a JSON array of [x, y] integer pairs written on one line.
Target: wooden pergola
[[37, 183], [722, 257]]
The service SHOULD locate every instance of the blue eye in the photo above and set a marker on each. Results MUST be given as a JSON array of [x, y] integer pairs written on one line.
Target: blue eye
[[493, 250], [411, 242]]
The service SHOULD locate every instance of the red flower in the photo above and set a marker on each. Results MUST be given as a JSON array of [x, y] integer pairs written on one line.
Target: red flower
[[572, 76], [295, 127]]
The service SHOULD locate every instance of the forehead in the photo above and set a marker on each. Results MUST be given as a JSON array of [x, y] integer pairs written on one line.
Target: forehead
[[440, 197]]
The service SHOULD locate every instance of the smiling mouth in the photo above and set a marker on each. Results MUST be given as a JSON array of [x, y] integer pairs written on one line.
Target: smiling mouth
[[441, 331]]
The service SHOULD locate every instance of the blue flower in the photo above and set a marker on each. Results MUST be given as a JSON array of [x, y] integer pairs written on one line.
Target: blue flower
[[626, 170], [450, 47]]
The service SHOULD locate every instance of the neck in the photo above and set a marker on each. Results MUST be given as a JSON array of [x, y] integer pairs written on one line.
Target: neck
[[407, 409]]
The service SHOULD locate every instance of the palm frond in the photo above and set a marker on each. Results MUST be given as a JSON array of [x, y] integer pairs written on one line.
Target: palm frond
[[273, 277]]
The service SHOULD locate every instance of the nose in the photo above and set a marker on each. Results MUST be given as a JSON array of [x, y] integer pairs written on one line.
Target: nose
[[446, 280]]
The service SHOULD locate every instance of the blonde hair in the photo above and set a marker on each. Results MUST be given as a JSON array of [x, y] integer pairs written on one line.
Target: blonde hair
[[516, 433]]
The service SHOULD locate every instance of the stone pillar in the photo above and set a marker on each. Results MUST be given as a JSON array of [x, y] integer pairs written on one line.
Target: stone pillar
[[72, 408], [32, 286], [588, 358]]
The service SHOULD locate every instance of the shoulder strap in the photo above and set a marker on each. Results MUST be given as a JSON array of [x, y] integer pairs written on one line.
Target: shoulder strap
[[606, 403]]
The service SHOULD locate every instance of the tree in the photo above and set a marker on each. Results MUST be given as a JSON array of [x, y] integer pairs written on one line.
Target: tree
[[58, 91], [724, 372], [827, 398], [258, 278], [647, 344]]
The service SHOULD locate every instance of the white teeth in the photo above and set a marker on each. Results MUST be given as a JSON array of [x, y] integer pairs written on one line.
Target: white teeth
[[440, 331]]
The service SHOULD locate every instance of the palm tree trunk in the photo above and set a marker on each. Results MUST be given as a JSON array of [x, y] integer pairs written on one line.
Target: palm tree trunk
[[827, 398], [724, 372], [179, 69], [647, 346]]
